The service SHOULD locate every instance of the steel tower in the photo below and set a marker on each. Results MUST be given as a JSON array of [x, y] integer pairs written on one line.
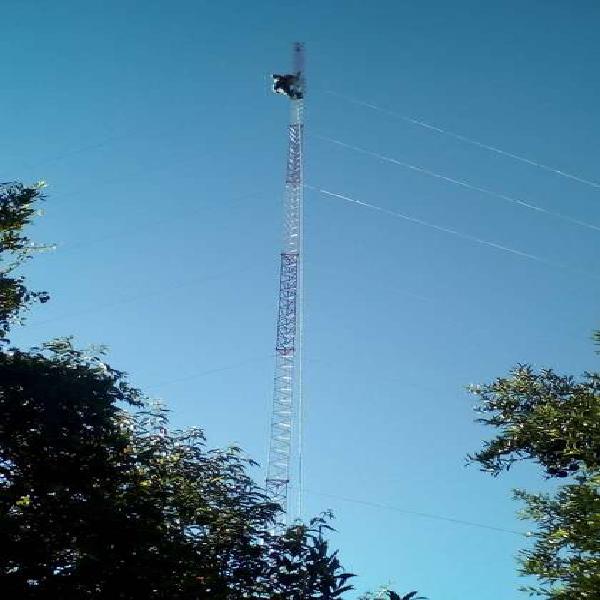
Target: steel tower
[[285, 439]]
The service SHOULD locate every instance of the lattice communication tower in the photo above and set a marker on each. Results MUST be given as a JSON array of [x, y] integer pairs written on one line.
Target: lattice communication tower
[[285, 440]]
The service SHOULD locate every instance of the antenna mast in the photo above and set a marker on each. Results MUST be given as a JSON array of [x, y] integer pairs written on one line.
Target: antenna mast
[[287, 393]]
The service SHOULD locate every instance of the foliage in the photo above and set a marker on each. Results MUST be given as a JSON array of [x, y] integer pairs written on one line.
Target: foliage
[[567, 546], [305, 568], [384, 593], [100, 499], [17, 209], [100, 502], [545, 417], [554, 421], [62, 459], [409, 596]]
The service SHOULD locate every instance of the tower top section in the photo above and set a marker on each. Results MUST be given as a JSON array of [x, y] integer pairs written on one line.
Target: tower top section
[[292, 84]]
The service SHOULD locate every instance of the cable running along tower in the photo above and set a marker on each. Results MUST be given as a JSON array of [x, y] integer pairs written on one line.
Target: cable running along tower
[[285, 440]]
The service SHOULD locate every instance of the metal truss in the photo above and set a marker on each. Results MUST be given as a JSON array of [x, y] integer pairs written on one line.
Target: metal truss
[[287, 384]]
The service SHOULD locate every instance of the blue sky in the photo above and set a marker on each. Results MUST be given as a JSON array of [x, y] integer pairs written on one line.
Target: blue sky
[[164, 152]]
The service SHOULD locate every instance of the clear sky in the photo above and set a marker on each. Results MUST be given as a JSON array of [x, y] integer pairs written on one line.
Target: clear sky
[[164, 152]]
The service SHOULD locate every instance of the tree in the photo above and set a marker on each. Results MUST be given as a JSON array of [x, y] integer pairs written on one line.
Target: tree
[[304, 566], [554, 421], [63, 464], [101, 502], [100, 499], [17, 209]]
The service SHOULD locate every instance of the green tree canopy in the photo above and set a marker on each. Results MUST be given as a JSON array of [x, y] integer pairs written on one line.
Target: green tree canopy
[[103, 502], [554, 421], [101, 499], [17, 209]]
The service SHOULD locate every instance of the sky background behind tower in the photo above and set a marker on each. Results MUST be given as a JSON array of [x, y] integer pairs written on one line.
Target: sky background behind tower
[[164, 151]]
